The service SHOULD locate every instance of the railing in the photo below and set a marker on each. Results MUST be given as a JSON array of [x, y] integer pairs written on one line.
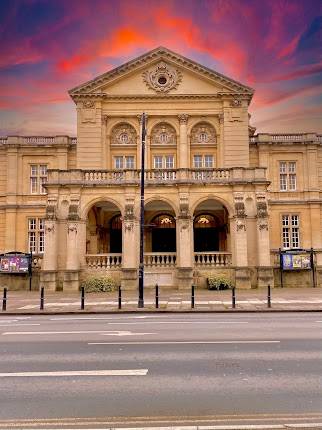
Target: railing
[[73, 140], [39, 139], [160, 175], [103, 261], [160, 259], [3, 140], [285, 137], [209, 174], [212, 259], [104, 176]]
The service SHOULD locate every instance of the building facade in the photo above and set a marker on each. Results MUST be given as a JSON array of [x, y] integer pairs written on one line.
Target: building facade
[[219, 199]]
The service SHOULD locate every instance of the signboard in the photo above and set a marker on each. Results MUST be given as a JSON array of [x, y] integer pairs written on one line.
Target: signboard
[[15, 263], [292, 261]]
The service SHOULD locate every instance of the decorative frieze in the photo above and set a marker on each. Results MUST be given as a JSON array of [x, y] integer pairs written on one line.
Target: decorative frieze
[[123, 134], [203, 133], [163, 133]]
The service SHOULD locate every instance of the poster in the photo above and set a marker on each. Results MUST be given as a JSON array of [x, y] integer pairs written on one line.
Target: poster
[[13, 263], [296, 261]]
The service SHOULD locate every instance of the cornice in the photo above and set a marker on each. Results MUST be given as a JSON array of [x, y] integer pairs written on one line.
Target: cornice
[[161, 53]]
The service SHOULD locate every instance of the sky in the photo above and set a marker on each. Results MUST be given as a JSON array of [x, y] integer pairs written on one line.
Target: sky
[[50, 46]]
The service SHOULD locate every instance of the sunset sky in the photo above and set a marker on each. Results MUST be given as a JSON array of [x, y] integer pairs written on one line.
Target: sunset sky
[[50, 46]]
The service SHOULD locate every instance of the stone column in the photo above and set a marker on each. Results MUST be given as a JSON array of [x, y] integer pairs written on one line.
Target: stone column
[[12, 182], [220, 153], [71, 275], [48, 274], [183, 141], [242, 273], [184, 231], [130, 240], [105, 150], [264, 271]]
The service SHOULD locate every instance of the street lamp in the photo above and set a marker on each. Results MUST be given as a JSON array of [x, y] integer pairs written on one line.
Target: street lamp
[[141, 266]]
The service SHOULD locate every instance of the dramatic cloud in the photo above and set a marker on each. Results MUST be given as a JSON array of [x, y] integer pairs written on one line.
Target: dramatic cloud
[[47, 47]]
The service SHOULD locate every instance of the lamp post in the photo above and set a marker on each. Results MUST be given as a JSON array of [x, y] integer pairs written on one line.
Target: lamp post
[[141, 266]]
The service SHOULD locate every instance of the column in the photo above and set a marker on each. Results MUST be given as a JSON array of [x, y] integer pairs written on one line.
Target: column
[[11, 211], [71, 275], [130, 247], [183, 141], [48, 275], [185, 256], [220, 153], [242, 274], [104, 143], [265, 272]]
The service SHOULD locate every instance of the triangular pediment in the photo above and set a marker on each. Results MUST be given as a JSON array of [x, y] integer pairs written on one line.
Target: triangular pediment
[[160, 72]]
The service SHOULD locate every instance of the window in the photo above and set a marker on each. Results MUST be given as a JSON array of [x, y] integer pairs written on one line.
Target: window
[[200, 161], [287, 175], [163, 162], [36, 235], [124, 162], [38, 177], [290, 231]]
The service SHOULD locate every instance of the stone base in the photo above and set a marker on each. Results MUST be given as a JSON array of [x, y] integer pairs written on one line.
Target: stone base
[[242, 277], [265, 276], [184, 278], [71, 280], [48, 280], [129, 279]]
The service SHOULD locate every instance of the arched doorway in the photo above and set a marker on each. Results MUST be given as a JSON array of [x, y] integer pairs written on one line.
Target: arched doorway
[[163, 232], [104, 229], [211, 227]]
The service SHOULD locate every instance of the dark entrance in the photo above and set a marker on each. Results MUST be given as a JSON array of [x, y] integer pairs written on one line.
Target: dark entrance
[[163, 233], [116, 235], [206, 234]]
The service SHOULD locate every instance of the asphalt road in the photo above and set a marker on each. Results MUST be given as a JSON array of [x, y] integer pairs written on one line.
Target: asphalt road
[[158, 367]]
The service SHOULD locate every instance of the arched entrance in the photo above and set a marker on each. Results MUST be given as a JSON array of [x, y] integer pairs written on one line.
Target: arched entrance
[[163, 233], [211, 227], [104, 229]]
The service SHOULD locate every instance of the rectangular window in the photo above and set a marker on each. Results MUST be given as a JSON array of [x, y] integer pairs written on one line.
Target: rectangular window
[[157, 163], [118, 162], [129, 162], [38, 177], [287, 176], [197, 161], [209, 161], [163, 162], [200, 161], [169, 162], [36, 235], [290, 231]]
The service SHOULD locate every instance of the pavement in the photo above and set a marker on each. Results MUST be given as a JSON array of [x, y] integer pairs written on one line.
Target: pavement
[[170, 300], [165, 371]]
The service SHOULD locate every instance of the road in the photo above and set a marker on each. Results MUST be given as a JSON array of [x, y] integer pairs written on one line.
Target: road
[[164, 368]]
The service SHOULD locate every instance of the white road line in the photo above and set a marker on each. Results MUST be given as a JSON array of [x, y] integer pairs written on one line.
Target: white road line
[[105, 318], [121, 372], [15, 325], [187, 342], [31, 333], [178, 322]]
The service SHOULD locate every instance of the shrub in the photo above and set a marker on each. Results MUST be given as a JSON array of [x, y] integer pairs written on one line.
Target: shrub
[[96, 284], [218, 282]]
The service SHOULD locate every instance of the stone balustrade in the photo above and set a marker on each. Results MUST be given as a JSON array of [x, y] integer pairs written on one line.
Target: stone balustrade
[[160, 259], [156, 177], [285, 138], [38, 140], [3, 140], [103, 261], [212, 259]]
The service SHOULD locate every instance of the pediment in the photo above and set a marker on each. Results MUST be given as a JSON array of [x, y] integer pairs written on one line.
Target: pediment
[[160, 72]]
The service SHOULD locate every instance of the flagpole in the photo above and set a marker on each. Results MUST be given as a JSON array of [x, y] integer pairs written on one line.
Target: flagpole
[[141, 266]]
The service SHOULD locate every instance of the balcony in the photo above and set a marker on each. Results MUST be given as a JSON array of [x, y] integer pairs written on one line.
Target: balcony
[[157, 177]]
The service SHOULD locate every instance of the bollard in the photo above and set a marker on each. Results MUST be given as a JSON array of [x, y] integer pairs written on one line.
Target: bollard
[[120, 298], [269, 296], [157, 296], [42, 298], [192, 297], [233, 298], [82, 298], [4, 300]]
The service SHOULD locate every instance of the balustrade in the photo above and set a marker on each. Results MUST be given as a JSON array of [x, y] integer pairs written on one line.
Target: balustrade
[[212, 259], [160, 259], [103, 261], [39, 139]]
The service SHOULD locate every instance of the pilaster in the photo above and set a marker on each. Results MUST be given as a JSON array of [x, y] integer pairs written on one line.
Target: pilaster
[[130, 239], [183, 141], [184, 228]]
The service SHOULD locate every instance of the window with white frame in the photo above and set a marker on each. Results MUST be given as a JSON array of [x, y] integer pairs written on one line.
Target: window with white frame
[[287, 176], [200, 161], [36, 235], [38, 177], [124, 162], [163, 162], [290, 231]]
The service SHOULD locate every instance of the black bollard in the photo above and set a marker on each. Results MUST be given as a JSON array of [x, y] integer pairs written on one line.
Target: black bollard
[[82, 298], [192, 297], [269, 304], [120, 298], [233, 298], [4, 300], [157, 296], [42, 298]]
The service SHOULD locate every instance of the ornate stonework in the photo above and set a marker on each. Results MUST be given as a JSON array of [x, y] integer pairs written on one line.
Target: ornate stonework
[[88, 104], [163, 134], [203, 133], [240, 212], [123, 134], [162, 77]]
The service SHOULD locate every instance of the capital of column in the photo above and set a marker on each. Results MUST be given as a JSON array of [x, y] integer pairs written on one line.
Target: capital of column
[[104, 119], [183, 118], [221, 118], [139, 117]]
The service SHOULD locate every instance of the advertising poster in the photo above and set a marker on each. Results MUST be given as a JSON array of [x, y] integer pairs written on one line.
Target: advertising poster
[[14, 263], [296, 261]]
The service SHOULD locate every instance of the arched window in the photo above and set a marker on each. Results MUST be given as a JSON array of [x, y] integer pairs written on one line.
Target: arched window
[[123, 134], [163, 221], [205, 221], [116, 222], [163, 134], [203, 133]]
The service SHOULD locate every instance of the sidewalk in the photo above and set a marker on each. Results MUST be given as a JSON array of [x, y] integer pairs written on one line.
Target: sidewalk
[[282, 299]]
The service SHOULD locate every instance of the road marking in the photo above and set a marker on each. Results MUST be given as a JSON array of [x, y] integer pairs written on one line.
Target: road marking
[[179, 322], [120, 372], [15, 325], [187, 342], [125, 333], [109, 333], [105, 318]]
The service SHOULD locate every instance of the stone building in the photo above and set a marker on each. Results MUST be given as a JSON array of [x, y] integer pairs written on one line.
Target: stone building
[[219, 198]]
